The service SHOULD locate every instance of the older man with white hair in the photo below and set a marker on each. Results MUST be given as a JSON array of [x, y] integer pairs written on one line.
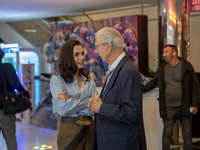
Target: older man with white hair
[[118, 111]]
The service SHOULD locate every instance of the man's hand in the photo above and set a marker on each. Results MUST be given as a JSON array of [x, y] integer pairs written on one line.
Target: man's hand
[[62, 96], [94, 104], [194, 110]]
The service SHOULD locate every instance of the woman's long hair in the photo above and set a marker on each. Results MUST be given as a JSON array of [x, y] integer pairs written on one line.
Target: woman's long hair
[[66, 65]]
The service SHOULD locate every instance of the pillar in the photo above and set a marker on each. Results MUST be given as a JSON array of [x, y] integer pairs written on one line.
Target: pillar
[[173, 26]]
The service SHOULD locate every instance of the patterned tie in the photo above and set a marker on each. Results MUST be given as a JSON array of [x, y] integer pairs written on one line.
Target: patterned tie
[[108, 78]]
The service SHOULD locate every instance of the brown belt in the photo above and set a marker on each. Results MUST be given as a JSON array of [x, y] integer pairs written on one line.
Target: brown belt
[[73, 120], [80, 134]]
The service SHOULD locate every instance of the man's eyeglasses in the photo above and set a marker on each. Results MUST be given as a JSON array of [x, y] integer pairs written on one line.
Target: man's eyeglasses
[[96, 46]]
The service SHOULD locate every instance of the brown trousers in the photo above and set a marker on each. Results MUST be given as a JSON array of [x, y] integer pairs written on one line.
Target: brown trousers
[[67, 132]]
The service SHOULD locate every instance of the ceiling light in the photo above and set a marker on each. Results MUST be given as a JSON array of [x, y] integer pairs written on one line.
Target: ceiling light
[[65, 21], [30, 30]]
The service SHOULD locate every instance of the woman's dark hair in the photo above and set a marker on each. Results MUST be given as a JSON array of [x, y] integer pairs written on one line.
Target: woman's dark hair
[[66, 65]]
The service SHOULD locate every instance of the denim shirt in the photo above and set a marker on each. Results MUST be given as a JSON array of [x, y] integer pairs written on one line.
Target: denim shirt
[[77, 102]]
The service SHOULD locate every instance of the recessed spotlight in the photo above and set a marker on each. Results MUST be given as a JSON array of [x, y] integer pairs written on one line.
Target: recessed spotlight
[[49, 146]]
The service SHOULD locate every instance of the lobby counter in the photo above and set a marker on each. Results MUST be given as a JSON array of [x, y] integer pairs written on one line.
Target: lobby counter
[[152, 122]]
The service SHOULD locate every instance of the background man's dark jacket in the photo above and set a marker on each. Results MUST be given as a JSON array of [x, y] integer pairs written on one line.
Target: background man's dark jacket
[[12, 81], [190, 87]]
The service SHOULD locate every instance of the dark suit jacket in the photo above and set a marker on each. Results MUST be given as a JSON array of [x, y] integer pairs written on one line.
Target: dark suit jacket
[[119, 121]]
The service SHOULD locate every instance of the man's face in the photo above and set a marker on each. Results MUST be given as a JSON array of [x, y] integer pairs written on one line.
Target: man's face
[[101, 50], [168, 54]]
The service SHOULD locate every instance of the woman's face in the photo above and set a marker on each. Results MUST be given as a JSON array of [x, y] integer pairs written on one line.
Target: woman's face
[[79, 56]]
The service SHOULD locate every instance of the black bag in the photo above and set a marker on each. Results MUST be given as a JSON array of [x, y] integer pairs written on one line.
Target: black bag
[[13, 103]]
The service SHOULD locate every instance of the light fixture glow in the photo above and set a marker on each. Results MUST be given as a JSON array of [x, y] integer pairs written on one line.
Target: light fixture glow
[[66, 21], [30, 30], [43, 147], [164, 10]]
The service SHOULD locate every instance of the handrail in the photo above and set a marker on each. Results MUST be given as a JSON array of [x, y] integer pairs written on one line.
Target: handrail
[[153, 57]]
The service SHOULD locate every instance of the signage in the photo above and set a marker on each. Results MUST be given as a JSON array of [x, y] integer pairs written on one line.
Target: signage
[[194, 5], [9, 48]]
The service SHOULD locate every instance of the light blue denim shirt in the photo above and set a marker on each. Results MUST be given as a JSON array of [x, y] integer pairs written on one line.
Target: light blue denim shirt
[[76, 105]]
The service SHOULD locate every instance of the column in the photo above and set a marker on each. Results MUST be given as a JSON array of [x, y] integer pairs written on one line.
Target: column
[[173, 26]]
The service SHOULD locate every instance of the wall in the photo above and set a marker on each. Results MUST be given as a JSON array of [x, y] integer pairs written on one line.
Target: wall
[[9, 35], [150, 11], [152, 14], [194, 38]]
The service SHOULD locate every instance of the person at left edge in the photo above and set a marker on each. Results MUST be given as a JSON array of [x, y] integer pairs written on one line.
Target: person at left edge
[[7, 122], [71, 88]]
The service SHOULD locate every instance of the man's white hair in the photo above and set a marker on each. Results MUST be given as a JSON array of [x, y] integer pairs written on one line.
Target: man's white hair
[[109, 34]]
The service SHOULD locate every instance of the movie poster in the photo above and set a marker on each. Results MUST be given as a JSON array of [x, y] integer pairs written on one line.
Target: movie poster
[[85, 32]]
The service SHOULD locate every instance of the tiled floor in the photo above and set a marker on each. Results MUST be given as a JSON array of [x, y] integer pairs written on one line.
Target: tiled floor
[[31, 137]]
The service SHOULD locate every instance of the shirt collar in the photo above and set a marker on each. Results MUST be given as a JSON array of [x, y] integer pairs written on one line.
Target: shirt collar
[[116, 62], [84, 78]]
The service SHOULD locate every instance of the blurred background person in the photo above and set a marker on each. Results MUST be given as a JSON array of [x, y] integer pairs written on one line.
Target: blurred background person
[[179, 95], [7, 122]]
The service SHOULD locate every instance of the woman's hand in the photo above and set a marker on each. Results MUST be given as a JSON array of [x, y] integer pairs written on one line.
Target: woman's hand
[[62, 96]]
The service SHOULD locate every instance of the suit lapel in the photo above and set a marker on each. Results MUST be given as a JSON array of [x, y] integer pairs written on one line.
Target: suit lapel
[[103, 89], [113, 78]]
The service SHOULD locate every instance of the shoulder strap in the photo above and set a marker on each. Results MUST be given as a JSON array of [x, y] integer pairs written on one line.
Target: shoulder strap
[[3, 77]]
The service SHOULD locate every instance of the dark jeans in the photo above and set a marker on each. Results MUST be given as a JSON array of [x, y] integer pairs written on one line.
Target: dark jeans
[[173, 113]]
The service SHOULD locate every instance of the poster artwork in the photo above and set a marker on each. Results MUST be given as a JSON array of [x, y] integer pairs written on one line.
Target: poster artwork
[[85, 32]]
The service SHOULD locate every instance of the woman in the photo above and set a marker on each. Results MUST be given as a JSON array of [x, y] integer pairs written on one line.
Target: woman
[[71, 89]]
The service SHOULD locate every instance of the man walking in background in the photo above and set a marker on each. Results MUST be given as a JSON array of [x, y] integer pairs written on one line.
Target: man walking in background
[[179, 95]]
